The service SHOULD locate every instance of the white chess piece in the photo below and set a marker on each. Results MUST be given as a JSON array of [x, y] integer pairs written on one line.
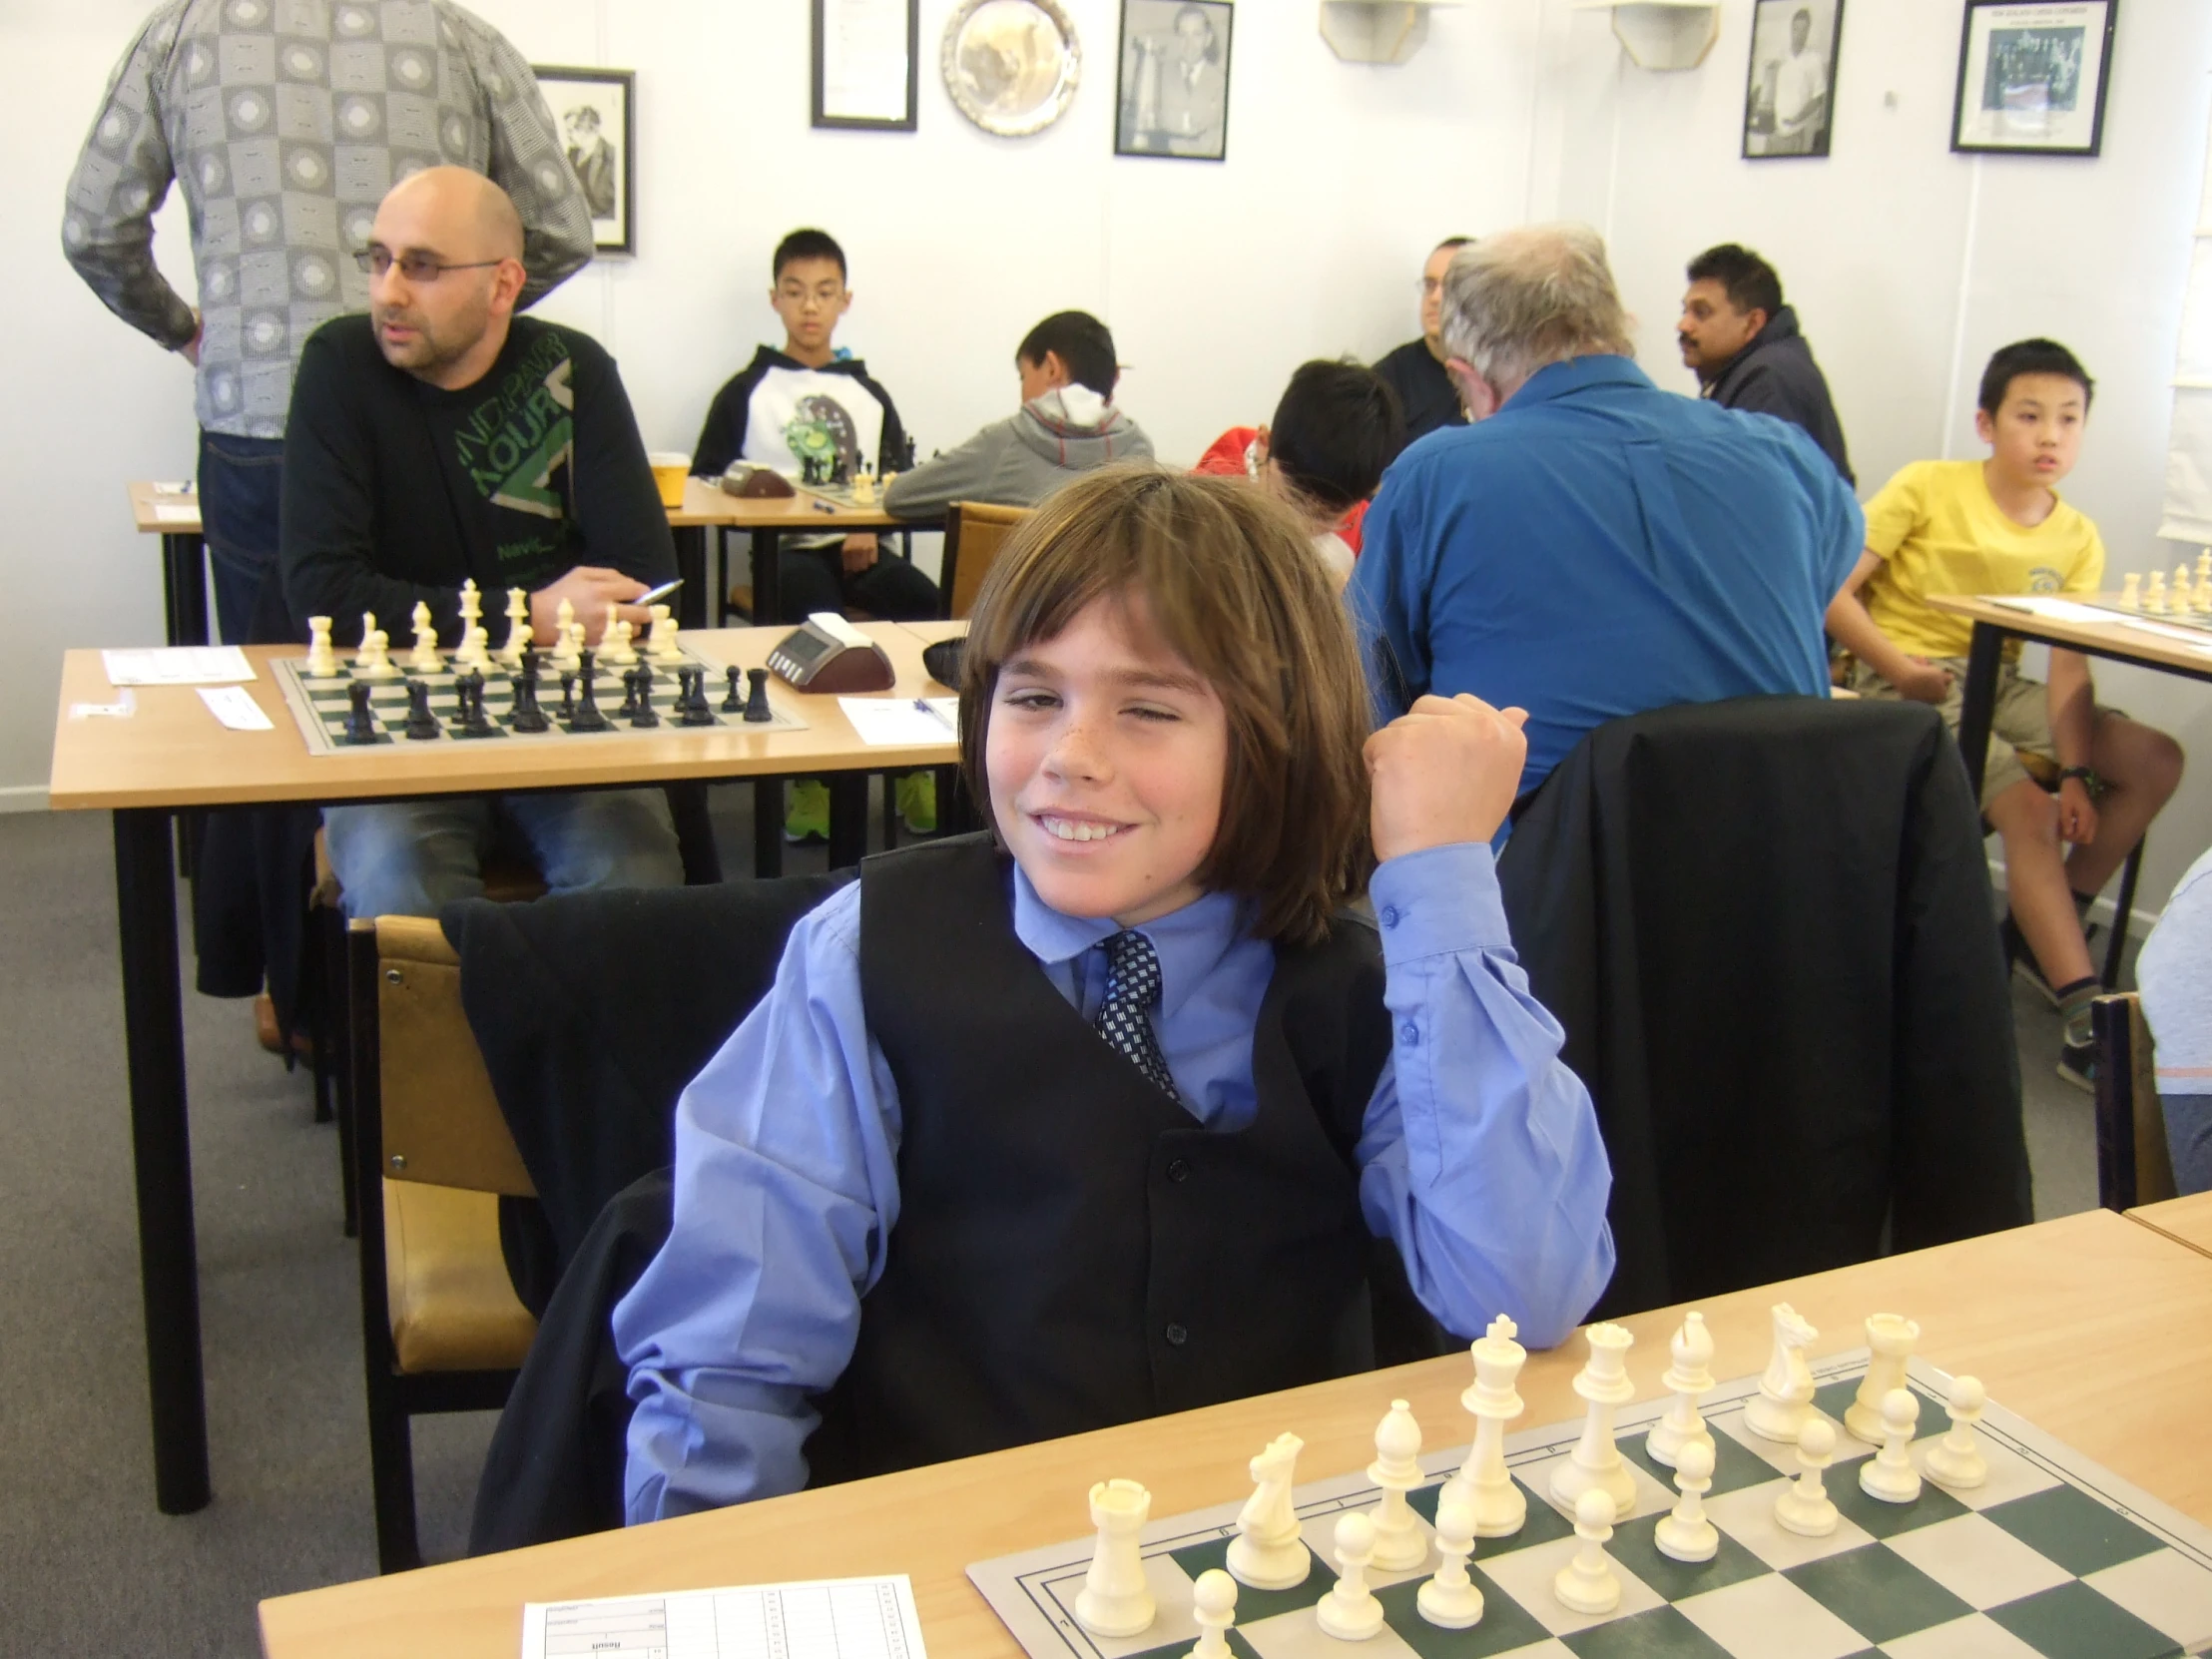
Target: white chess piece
[[864, 490], [518, 627], [1803, 1507], [1449, 1600], [1399, 1543], [1596, 1461], [2154, 593], [1955, 1459], [2132, 592], [1784, 1398], [1586, 1584], [1691, 1378], [475, 648], [363, 657], [375, 661], [1349, 1611], [1498, 1504], [423, 658], [575, 645], [322, 661], [661, 636], [614, 640], [1115, 1599], [1683, 1534], [2184, 593], [1891, 1337], [1214, 1607], [473, 604], [1268, 1552], [564, 617], [1889, 1474]]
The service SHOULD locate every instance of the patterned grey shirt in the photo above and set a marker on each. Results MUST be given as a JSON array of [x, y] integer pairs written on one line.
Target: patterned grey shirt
[[287, 121]]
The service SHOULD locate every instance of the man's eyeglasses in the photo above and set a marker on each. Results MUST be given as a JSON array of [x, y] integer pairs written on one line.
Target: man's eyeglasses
[[416, 268]]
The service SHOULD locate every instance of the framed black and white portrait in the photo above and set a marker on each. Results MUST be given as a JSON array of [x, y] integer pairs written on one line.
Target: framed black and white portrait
[[1790, 88], [1173, 95], [595, 111], [2031, 76]]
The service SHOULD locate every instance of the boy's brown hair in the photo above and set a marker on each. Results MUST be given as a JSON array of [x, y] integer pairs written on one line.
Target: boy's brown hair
[[1235, 588]]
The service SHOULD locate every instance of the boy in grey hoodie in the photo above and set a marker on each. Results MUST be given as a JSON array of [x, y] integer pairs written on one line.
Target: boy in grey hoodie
[[1067, 424]]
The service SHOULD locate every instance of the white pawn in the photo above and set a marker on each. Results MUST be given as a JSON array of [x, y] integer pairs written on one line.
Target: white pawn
[[864, 490], [2132, 592], [1889, 1474], [1691, 1378], [2184, 594], [1586, 1584], [423, 659], [1955, 1459], [363, 658], [2154, 593], [375, 661], [322, 659], [1399, 1544], [576, 645], [1349, 1611], [1115, 1599], [1803, 1507], [614, 639], [1268, 1553], [1784, 1398], [1890, 1337], [1596, 1461], [1498, 1504], [1214, 1607], [660, 634], [1449, 1600], [1683, 1534], [475, 648], [518, 627]]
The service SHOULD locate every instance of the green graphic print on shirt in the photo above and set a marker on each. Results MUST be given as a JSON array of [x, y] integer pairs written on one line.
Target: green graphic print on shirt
[[518, 447]]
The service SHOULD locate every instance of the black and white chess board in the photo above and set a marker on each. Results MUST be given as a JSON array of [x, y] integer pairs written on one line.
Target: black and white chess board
[[321, 704], [2051, 1556]]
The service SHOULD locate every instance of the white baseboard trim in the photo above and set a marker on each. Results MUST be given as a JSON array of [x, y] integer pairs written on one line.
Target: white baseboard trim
[[23, 797], [2139, 923]]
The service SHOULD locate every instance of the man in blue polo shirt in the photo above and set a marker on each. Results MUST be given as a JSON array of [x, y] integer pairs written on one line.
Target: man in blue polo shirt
[[1591, 546]]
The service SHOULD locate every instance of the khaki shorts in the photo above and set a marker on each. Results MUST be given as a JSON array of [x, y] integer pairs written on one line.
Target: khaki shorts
[[2018, 725]]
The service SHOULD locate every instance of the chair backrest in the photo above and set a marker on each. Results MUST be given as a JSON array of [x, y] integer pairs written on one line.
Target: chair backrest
[[2134, 1162], [973, 532], [439, 1121]]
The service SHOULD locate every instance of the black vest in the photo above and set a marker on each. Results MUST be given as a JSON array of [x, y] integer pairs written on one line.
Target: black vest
[[1072, 1250]]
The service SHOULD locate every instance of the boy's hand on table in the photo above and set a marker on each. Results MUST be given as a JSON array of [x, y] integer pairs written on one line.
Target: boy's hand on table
[[2077, 813], [861, 550], [1446, 771], [1923, 682]]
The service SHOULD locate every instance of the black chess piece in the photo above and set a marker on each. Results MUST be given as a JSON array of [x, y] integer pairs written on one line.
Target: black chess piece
[[526, 666], [733, 703], [629, 695], [526, 716], [568, 696], [360, 719], [691, 700], [643, 715], [423, 725], [468, 697], [757, 710], [587, 716]]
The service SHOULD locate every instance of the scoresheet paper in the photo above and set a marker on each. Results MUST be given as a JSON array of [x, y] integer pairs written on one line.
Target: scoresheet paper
[[827, 1618]]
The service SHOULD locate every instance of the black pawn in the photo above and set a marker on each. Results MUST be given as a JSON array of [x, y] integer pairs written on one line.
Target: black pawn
[[629, 695], [568, 696], [360, 719], [757, 710], [423, 725], [468, 701], [587, 716], [691, 701], [643, 715], [526, 716], [733, 703]]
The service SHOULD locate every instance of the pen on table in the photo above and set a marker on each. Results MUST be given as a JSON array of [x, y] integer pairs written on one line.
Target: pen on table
[[936, 714], [823, 507]]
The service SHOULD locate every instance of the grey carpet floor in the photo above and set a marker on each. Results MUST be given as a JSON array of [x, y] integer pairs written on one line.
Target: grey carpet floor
[[86, 1565]]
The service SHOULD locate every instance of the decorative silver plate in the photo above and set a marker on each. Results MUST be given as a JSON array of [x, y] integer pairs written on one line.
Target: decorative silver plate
[[1011, 65]]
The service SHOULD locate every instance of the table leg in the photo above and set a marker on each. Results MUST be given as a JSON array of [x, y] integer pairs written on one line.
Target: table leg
[[185, 586], [767, 827], [691, 565], [767, 600], [161, 1145], [848, 818], [1977, 703], [718, 597]]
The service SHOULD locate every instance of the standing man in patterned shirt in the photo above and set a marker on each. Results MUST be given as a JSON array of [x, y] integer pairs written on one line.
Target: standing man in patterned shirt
[[287, 121]]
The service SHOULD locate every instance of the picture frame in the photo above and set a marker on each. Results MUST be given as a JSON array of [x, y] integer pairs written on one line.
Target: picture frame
[[595, 112], [2033, 77], [1171, 95], [1789, 80], [867, 64]]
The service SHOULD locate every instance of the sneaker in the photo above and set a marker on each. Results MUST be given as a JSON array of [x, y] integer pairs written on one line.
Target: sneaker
[[918, 803], [2078, 1064], [808, 818], [2025, 968]]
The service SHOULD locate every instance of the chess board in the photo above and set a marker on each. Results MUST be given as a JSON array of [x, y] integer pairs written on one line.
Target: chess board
[[319, 704], [2199, 622], [2051, 1556], [841, 495]]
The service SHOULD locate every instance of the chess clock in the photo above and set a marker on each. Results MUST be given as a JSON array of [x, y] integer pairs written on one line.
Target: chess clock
[[826, 653]]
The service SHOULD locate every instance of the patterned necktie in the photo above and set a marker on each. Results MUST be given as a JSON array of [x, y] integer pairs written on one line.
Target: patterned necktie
[[1125, 1018]]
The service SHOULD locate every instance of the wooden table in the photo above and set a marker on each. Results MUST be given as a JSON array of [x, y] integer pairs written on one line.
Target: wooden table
[[173, 756], [2037, 1314], [2185, 1220], [770, 518], [174, 517]]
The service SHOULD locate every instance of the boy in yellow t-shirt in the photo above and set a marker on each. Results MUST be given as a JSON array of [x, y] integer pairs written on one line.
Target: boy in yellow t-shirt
[[1997, 526]]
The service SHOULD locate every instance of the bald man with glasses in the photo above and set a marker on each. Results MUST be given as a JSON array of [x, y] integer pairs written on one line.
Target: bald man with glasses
[[441, 439]]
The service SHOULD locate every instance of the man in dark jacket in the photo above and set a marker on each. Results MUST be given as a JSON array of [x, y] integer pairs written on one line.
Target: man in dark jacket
[[1744, 344]]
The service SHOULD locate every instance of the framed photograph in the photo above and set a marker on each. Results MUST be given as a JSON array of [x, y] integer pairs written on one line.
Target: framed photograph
[[1790, 88], [2031, 76], [1173, 95], [597, 112], [865, 71], [1012, 66]]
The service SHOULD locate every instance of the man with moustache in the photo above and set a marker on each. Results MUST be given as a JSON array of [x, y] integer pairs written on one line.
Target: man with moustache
[[1744, 346], [443, 438]]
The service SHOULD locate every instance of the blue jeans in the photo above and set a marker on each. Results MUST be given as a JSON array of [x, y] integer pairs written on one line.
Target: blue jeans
[[241, 491], [2189, 1141], [412, 858]]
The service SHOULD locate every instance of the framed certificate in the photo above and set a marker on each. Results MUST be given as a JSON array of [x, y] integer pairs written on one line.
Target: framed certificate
[[866, 72], [2033, 75]]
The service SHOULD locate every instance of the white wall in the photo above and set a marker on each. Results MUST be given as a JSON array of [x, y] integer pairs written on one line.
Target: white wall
[[1216, 280]]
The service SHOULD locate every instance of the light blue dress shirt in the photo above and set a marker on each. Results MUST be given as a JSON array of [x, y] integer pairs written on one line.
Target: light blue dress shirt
[[1478, 1156]]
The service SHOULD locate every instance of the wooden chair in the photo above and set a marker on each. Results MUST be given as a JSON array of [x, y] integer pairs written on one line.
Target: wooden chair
[[2134, 1162], [441, 1328], [973, 532]]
